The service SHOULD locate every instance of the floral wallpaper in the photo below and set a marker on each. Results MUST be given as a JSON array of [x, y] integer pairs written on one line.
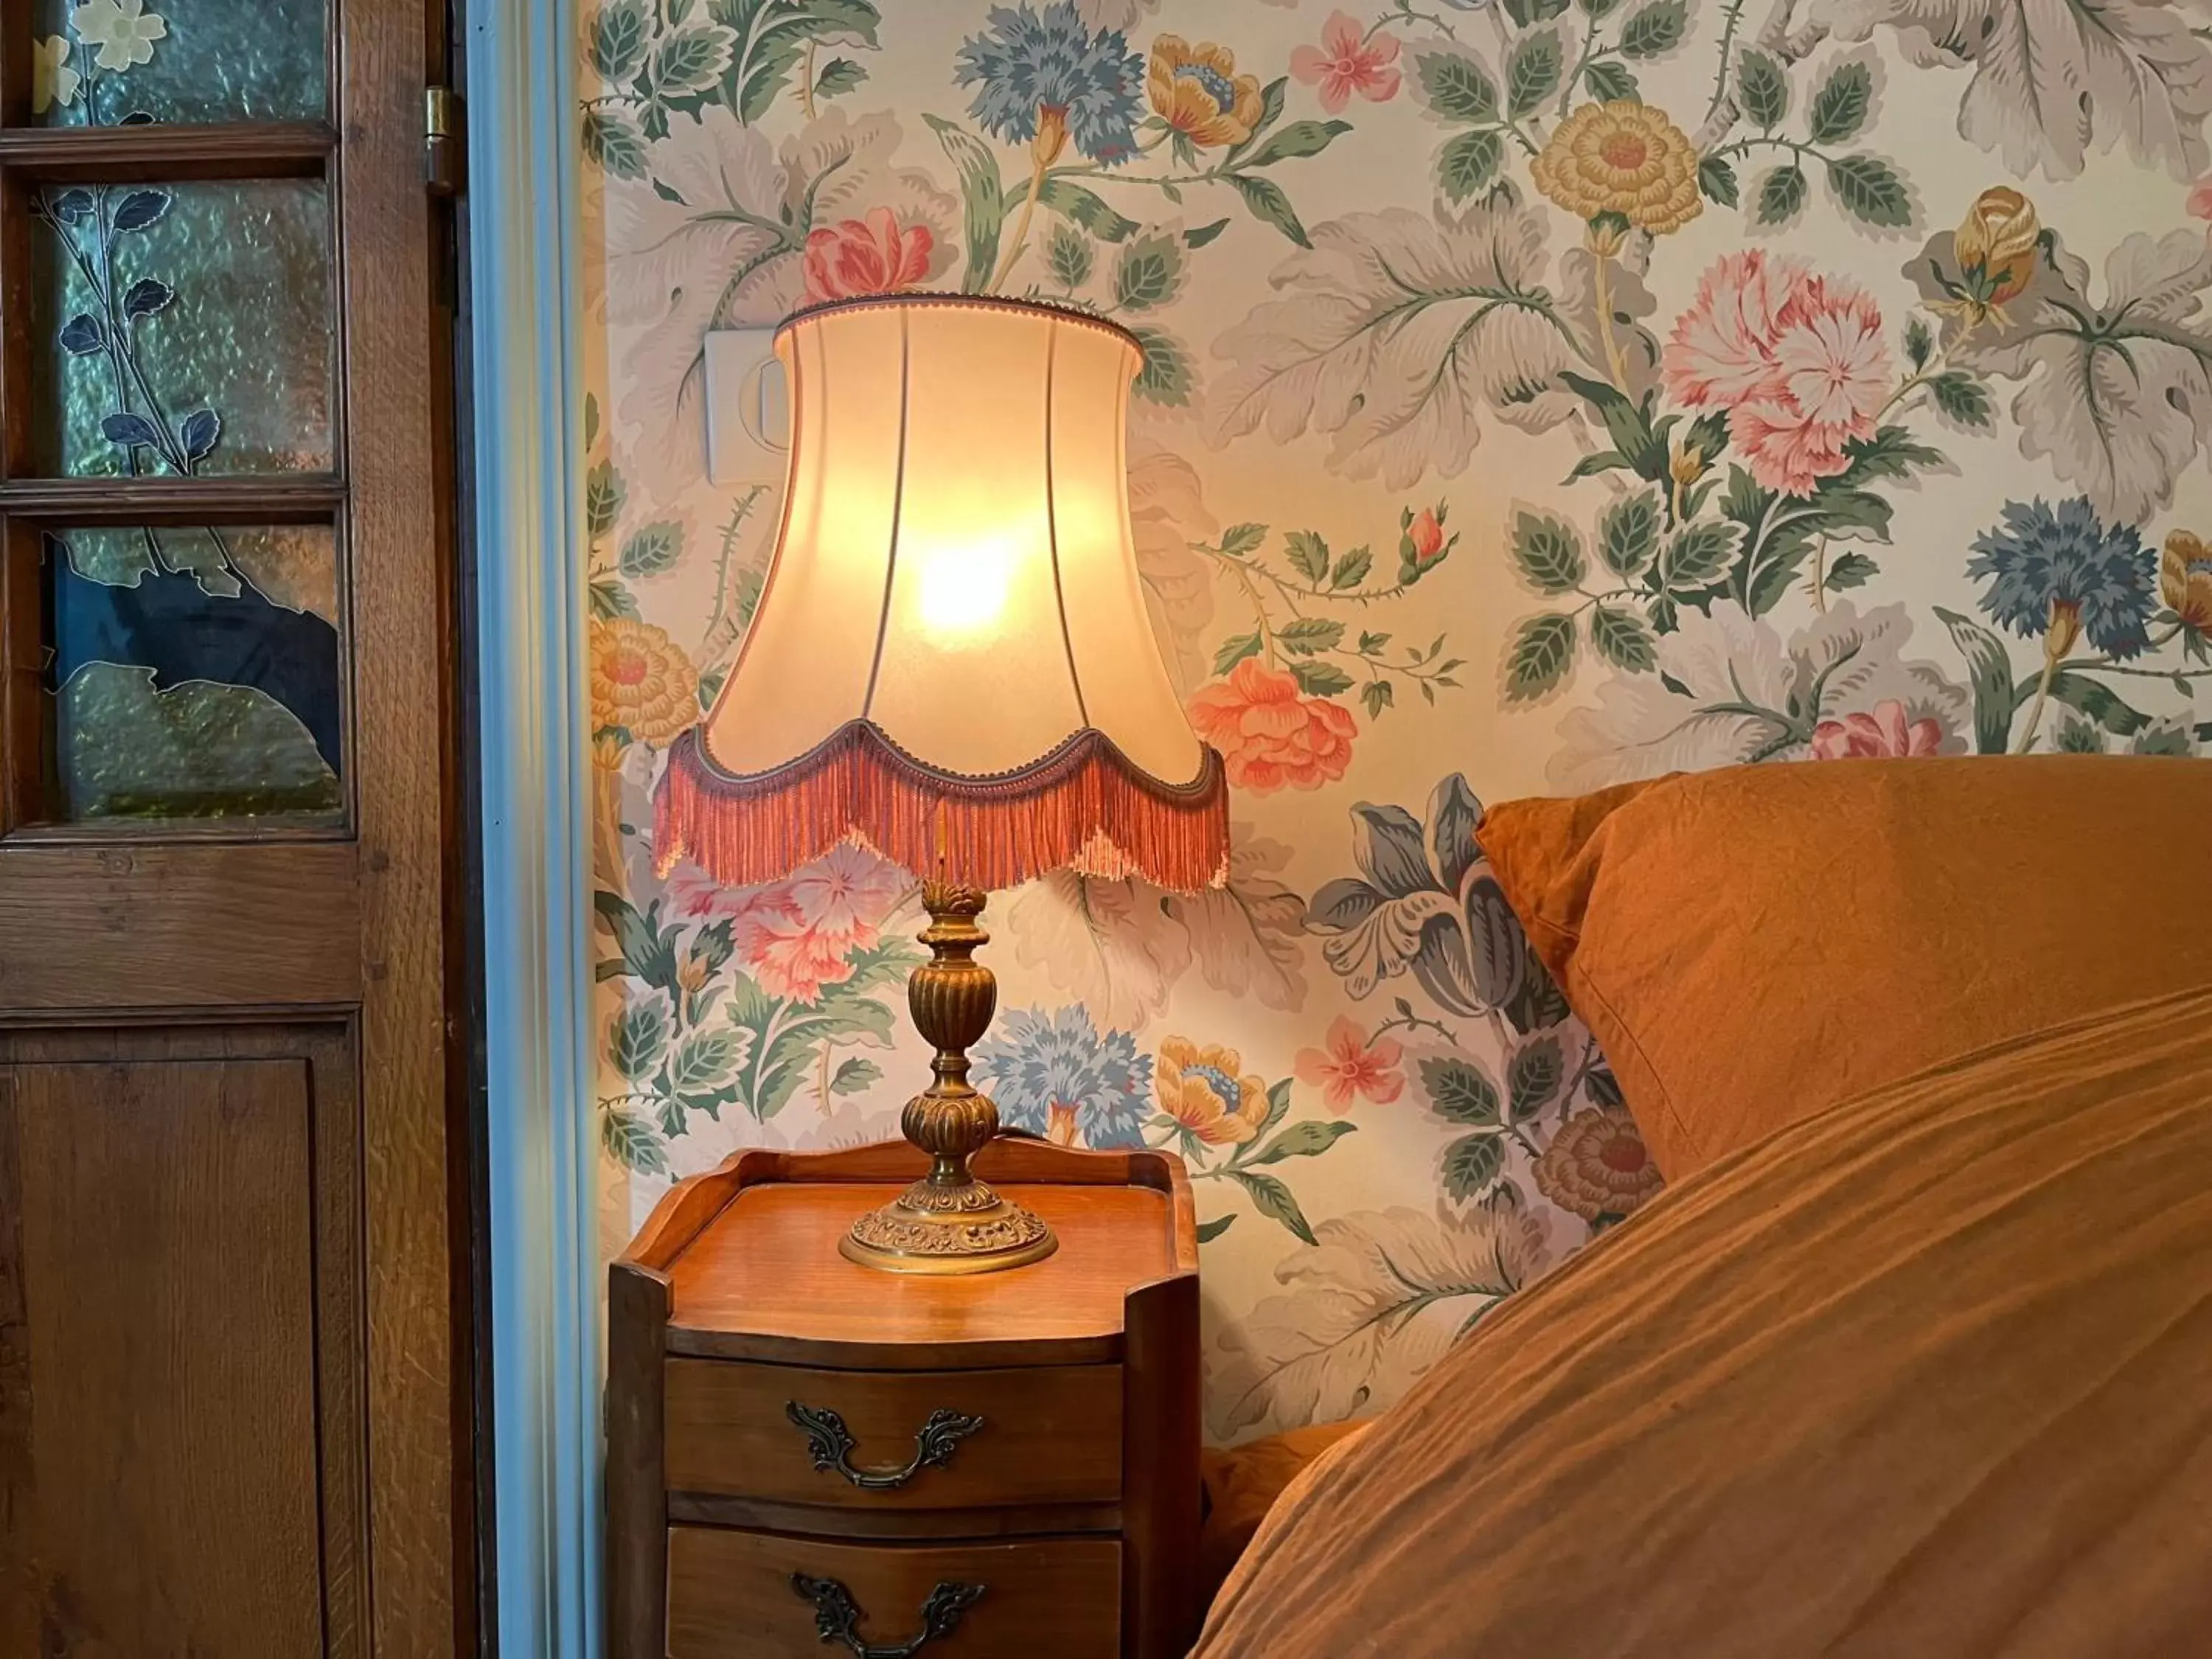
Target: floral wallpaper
[[1537, 393]]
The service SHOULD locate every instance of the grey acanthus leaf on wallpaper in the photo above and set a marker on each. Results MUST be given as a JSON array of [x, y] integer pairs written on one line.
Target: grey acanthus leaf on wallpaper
[[1537, 394]]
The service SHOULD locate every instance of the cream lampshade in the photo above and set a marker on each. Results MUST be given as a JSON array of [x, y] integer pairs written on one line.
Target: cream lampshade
[[951, 664]]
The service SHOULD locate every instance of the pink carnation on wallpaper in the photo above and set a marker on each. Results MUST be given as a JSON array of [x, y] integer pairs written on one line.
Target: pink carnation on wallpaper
[[797, 935], [874, 255], [1348, 60], [1796, 359], [1269, 734], [1886, 734], [2200, 198]]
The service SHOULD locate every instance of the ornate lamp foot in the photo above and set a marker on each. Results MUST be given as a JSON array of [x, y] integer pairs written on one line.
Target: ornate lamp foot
[[949, 1222]]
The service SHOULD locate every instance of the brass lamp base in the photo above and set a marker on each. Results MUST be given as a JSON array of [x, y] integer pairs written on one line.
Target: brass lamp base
[[949, 1222]]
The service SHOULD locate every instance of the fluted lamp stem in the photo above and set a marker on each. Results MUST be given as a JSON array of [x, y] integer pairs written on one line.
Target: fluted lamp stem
[[949, 1222]]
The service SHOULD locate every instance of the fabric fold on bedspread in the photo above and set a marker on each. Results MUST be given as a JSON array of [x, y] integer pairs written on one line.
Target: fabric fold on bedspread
[[1930, 1374]]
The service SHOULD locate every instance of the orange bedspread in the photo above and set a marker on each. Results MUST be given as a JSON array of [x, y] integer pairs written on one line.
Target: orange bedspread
[[1927, 1375]]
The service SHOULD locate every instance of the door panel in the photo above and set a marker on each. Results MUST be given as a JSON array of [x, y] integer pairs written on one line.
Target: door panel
[[185, 1272], [228, 1210]]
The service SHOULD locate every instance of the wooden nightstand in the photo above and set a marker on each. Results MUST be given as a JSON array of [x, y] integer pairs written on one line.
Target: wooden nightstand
[[803, 1451]]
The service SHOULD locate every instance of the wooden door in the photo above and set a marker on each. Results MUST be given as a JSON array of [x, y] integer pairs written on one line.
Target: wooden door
[[229, 1399]]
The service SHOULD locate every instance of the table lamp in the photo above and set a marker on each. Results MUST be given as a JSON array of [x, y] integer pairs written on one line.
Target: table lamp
[[953, 665]]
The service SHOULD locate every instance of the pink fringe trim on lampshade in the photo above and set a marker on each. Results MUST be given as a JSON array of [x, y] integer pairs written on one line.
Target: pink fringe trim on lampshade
[[1084, 806]]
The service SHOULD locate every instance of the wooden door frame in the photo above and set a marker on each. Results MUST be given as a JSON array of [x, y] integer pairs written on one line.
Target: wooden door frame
[[541, 1148]]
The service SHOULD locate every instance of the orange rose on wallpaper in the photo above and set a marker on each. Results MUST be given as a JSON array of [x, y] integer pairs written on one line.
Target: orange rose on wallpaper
[[2184, 580], [642, 682], [1269, 733], [1208, 1091], [1596, 1165], [1350, 1065], [874, 255]]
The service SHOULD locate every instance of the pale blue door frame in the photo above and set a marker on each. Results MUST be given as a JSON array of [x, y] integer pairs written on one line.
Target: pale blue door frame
[[526, 257]]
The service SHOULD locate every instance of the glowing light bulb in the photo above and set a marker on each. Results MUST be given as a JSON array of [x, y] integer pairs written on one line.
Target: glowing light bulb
[[964, 589]]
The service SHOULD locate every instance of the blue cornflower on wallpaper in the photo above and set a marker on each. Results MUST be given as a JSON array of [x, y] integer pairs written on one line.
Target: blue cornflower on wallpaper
[[2061, 573], [1043, 75], [1052, 1074]]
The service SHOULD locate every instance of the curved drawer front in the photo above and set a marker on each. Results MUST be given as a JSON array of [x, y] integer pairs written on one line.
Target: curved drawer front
[[735, 1595], [911, 1440]]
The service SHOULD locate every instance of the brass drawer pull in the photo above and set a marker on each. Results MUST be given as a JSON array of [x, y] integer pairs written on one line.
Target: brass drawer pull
[[837, 1616], [830, 1445]]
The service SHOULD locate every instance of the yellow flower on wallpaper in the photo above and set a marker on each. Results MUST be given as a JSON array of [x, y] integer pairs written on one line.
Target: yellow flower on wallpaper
[[1995, 247], [642, 682], [1201, 1090], [1623, 159], [2184, 580], [1198, 92]]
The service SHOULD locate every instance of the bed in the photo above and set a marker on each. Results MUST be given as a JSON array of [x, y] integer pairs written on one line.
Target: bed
[[1914, 1356]]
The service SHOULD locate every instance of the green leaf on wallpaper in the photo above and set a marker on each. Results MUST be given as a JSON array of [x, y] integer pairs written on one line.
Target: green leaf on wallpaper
[[648, 950], [1538, 656], [1149, 272], [1548, 553], [1655, 29], [609, 599], [1716, 179], [612, 139], [1459, 1091], [1695, 556], [620, 36], [1840, 107], [691, 58], [1851, 570], [1201, 235], [837, 76], [1169, 374], [1603, 1087], [603, 496], [1233, 650], [2169, 738], [1299, 138], [1962, 398], [776, 33], [1072, 201], [1598, 10], [2091, 697], [1468, 162], [1243, 538], [1265, 200], [1308, 554], [1067, 255], [1271, 110], [1376, 695], [1278, 1103], [2077, 736], [1919, 343], [1319, 679], [1623, 638], [637, 1037], [1308, 1140], [1870, 191], [983, 197], [1352, 570], [651, 550], [855, 1074], [706, 1060], [1274, 1200], [1455, 86], [1989, 668], [1781, 194], [1533, 1080], [1472, 1162], [1210, 1231], [1302, 637], [1762, 89], [1628, 533], [630, 1141], [1610, 82], [1532, 70]]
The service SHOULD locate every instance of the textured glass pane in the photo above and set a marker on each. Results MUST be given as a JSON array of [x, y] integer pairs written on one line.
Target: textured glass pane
[[101, 62], [182, 329], [196, 672]]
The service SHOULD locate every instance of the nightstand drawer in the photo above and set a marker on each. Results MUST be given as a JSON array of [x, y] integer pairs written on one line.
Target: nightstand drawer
[[894, 1439], [762, 1596]]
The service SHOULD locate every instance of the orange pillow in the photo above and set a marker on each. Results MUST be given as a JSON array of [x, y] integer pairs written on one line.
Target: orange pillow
[[1752, 944]]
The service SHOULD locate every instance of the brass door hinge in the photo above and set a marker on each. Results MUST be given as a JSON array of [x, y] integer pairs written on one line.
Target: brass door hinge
[[442, 140]]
